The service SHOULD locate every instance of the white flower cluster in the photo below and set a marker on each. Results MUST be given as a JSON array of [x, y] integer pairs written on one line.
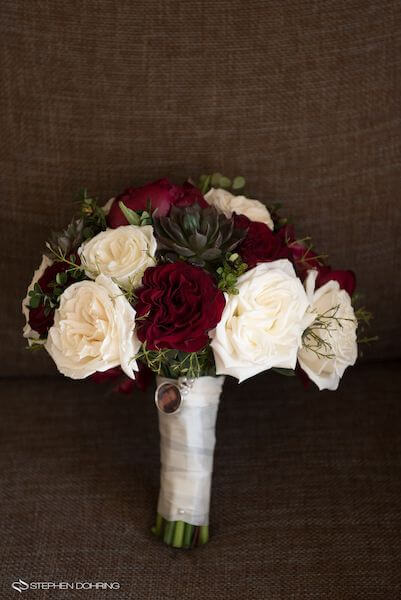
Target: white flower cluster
[[94, 325]]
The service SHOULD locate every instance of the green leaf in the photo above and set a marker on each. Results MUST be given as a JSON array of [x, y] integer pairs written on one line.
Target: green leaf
[[61, 278], [204, 183], [238, 183], [88, 233], [215, 180], [225, 182], [286, 372], [130, 215], [35, 301]]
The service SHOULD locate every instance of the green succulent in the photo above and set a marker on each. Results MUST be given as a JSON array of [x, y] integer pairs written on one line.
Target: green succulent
[[197, 235]]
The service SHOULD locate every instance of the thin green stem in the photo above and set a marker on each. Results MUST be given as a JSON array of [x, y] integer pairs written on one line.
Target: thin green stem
[[178, 534], [203, 534], [159, 525], [188, 535], [169, 532]]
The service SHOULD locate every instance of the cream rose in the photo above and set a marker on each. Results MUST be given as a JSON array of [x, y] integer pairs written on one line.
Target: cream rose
[[94, 330], [262, 326], [336, 325], [123, 253], [227, 203], [29, 333]]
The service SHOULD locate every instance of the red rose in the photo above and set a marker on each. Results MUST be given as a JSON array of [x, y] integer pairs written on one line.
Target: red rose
[[303, 257], [161, 194], [345, 279], [261, 244], [143, 378], [177, 305], [38, 320], [126, 385], [105, 376]]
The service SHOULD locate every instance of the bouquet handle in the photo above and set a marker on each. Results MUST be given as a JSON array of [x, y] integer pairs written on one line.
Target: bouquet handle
[[187, 441]]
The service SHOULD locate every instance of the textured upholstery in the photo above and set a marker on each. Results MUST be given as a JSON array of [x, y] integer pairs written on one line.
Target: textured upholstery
[[306, 492], [302, 97]]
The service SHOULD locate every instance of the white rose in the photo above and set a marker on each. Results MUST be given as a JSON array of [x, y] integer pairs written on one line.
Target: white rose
[[262, 326], [227, 203], [123, 253], [94, 330], [32, 335], [336, 326]]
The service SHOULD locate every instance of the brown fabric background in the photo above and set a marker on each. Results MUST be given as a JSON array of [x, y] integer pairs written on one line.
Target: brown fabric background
[[301, 97], [306, 500]]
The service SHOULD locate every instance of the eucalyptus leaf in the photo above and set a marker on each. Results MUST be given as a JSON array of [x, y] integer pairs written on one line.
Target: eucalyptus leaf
[[130, 215], [238, 183], [215, 179], [224, 182]]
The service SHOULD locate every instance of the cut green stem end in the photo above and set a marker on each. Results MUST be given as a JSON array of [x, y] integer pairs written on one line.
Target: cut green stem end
[[179, 534]]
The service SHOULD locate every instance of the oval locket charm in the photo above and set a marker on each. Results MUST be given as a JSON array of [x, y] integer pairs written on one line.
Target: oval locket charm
[[168, 398]]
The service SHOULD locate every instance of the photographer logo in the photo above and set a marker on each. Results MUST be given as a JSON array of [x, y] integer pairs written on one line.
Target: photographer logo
[[21, 585]]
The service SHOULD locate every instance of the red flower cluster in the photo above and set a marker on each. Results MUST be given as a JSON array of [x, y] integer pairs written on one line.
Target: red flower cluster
[[161, 195], [260, 244], [39, 320], [305, 259], [176, 307], [125, 385]]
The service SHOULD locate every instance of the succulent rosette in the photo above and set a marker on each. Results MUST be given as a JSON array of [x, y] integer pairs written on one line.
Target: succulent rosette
[[191, 283]]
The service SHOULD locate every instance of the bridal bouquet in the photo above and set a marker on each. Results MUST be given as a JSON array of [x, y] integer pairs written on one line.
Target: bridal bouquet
[[193, 283]]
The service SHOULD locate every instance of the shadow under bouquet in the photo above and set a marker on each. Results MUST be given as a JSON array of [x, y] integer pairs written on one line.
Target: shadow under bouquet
[[191, 283]]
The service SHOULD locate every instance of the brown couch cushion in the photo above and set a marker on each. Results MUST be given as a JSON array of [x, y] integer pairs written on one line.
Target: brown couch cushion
[[306, 497], [301, 97]]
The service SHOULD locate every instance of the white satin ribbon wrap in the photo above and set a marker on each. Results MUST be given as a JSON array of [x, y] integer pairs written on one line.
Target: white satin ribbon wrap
[[187, 440]]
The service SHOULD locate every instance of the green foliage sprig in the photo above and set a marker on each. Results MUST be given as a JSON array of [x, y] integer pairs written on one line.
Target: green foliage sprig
[[364, 318], [136, 217], [51, 299], [175, 363], [312, 339], [77, 271], [92, 215], [228, 274], [217, 180], [278, 220]]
